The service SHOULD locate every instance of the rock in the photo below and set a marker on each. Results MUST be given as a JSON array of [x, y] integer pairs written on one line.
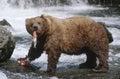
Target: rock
[[7, 44], [13, 66], [4, 22]]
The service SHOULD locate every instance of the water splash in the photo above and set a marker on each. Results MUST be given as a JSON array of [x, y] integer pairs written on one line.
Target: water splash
[[2, 75]]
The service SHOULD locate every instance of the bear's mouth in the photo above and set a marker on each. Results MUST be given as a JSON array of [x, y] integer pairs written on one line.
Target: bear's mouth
[[34, 37]]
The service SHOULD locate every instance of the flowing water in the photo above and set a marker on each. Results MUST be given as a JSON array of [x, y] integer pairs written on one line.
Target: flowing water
[[16, 11]]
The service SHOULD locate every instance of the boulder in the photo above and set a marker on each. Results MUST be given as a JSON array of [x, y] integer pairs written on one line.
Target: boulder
[[7, 44], [4, 22]]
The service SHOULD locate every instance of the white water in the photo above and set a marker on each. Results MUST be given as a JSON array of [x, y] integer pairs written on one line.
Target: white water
[[16, 16], [2, 75]]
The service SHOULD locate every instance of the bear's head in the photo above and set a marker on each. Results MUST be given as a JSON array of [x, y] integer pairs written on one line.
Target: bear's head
[[40, 24]]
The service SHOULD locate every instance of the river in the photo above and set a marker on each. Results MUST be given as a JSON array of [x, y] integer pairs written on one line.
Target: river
[[16, 11]]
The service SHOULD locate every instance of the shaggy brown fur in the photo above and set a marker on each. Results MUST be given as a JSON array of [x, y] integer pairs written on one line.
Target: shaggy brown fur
[[73, 35]]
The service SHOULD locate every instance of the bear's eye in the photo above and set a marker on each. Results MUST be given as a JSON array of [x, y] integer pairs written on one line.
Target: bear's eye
[[31, 25], [39, 23]]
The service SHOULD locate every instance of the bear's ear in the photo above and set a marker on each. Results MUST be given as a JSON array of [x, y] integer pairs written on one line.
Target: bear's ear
[[42, 16], [46, 18], [27, 21]]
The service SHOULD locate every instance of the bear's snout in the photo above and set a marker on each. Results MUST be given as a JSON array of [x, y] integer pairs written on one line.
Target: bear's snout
[[35, 28]]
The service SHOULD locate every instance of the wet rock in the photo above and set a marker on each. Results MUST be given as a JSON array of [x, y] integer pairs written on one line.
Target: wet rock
[[13, 66], [7, 44], [4, 22]]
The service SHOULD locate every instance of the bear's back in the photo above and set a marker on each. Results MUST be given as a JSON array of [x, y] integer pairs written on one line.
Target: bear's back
[[72, 34]]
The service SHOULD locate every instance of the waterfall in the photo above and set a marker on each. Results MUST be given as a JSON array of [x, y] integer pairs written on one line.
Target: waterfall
[[20, 3], [105, 2], [3, 3], [39, 3]]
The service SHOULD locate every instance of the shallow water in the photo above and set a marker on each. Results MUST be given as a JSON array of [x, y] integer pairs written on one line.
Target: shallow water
[[16, 17]]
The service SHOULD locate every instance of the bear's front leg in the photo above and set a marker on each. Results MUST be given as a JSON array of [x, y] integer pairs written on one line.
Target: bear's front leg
[[53, 57]]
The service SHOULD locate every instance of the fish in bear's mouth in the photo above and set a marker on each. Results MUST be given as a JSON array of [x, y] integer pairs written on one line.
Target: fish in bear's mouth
[[34, 37]]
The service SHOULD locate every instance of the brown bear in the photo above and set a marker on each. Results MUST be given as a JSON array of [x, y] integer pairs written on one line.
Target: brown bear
[[74, 35]]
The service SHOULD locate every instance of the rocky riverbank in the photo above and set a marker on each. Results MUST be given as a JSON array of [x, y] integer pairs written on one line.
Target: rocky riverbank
[[71, 72]]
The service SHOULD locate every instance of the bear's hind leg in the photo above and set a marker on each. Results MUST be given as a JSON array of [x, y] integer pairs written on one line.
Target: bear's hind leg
[[102, 55], [90, 61], [103, 63]]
